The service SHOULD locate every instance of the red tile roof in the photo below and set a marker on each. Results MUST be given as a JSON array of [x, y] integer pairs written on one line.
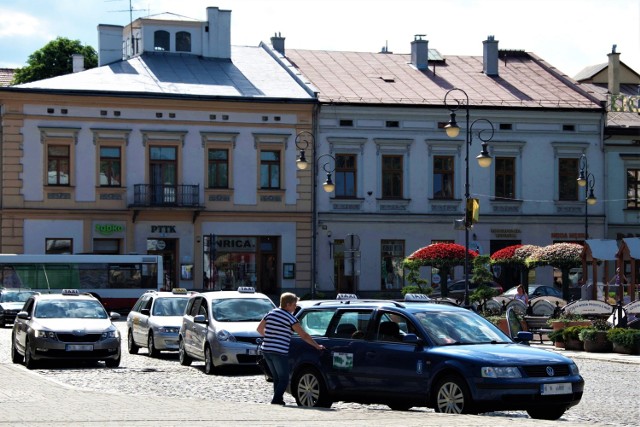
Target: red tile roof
[[379, 78]]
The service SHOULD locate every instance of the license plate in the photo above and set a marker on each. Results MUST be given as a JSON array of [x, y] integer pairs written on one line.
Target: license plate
[[79, 347], [558, 388], [252, 352]]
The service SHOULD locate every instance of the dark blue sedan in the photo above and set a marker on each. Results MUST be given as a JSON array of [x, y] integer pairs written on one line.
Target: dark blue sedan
[[425, 355]]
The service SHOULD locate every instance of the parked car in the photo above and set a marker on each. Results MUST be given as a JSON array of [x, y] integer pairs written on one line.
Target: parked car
[[535, 291], [219, 328], [425, 354], [66, 326], [155, 319], [11, 302], [456, 289]]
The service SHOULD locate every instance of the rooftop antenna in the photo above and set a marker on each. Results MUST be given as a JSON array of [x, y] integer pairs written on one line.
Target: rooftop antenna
[[130, 10]]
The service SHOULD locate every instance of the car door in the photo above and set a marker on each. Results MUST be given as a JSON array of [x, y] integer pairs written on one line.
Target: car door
[[21, 326], [140, 322], [197, 333], [390, 365]]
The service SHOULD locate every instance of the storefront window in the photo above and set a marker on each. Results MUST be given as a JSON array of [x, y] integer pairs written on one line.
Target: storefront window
[[230, 262]]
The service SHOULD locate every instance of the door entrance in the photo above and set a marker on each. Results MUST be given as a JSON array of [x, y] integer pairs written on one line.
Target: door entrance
[[167, 248]]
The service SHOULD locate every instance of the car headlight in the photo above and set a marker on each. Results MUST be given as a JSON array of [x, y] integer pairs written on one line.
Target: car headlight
[[168, 330], [223, 335], [574, 369], [110, 334], [38, 333], [500, 372]]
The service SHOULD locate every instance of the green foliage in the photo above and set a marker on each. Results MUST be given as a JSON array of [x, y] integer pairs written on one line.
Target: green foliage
[[493, 318], [625, 337], [565, 317], [557, 336], [572, 332], [591, 334], [413, 277], [416, 290], [480, 272], [601, 325], [54, 59]]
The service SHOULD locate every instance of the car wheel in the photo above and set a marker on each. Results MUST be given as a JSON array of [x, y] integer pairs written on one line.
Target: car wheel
[[452, 396], [547, 413], [209, 367], [15, 356], [131, 344], [310, 390], [153, 351], [185, 359], [29, 363], [113, 363]]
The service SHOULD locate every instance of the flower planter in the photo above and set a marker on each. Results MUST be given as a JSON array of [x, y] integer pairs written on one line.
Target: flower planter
[[559, 324], [558, 344], [599, 345], [573, 344], [619, 348]]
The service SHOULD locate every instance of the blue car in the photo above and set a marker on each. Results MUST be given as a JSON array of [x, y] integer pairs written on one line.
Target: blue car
[[406, 354]]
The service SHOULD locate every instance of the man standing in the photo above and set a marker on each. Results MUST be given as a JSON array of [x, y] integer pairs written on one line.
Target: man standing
[[276, 328]]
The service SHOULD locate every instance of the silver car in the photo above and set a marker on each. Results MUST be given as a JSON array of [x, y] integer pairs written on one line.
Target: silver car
[[154, 321], [67, 326], [11, 302], [219, 328]]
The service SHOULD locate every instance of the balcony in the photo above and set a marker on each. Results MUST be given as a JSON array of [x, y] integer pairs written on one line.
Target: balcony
[[181, 196]]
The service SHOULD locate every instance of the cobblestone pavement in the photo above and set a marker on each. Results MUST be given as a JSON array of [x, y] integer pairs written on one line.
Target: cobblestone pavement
[[605, 401]]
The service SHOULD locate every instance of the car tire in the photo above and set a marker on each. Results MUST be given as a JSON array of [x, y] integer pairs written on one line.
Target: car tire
[[183, 357], [29, 363], [15, 356], [209, 367], [452, 396], [113, 363], [131, 344], [550, 412], [153, 351], [310, 390]]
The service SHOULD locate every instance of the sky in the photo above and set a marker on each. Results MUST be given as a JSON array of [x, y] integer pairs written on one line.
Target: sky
[[569, 34]]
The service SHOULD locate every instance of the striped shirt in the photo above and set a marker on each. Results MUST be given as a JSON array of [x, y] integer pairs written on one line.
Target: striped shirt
[[277, 331]]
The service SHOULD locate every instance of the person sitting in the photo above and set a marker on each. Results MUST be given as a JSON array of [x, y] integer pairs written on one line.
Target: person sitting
[[389, 331], [521, 295]]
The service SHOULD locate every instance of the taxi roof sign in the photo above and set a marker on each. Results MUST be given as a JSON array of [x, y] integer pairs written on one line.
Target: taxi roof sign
[[247, 289], [346, 296], [181, 291], [416, 297], [70, 292]]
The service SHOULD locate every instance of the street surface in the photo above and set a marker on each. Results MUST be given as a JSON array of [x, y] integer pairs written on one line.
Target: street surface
[[610, 396]]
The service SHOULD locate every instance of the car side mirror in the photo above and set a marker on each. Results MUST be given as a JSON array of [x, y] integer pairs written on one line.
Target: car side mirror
[[114, 316], [524, 337], [145, 311], [200, 319], [23, 315], [413, 339]]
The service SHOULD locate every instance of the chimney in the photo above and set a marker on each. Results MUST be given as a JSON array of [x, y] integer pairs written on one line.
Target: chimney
[[78, 62], [613, 72], [490, 57], [109, 44], [218, 42], [277, 41], [420, 52]]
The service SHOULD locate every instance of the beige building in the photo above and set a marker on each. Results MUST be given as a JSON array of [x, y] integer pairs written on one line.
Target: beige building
[[178, 144]]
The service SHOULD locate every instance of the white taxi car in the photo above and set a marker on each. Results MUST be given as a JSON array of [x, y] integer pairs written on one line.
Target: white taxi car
[[66, 326], [155, 319], [219, 328]]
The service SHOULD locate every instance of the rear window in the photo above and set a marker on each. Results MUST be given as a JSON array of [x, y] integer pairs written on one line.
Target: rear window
[[241, 309]]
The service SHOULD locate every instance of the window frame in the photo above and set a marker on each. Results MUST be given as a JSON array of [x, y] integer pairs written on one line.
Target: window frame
[[390, 175], [499, 173], [183, 41], [59, 170], [568, 175], [450, 173], [159, 41], [632, 201], [386, 255], [341, 171], [270, 166], [221, 172]]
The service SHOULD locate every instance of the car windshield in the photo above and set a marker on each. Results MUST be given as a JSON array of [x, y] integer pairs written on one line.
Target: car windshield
[[241, 309], [67, 309], [455, 328], [169, 306], [15, 296]]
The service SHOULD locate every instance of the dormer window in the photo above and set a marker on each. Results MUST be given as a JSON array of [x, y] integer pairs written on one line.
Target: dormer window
[[161, 41], [183, 41]]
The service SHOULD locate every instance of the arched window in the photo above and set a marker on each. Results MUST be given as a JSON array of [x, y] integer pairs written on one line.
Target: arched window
[[183, 41], [161, 40]]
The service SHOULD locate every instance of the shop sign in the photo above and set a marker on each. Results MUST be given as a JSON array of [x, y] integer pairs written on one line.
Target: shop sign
[[567, 235], [589, 307], [163, 229], [236, 244], [109, 229], [505, 232]]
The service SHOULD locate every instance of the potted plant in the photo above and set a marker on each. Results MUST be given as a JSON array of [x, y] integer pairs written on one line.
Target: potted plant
[[595, 339], [568, 319], [556, 338], [571, 335], [625, 341]]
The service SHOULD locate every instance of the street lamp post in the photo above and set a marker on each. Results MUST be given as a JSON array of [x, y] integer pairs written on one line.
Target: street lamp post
[[588, 181], [303, 140], [484, 160]]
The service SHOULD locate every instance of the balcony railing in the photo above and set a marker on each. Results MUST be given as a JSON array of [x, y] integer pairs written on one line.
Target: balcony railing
[[149, 195]]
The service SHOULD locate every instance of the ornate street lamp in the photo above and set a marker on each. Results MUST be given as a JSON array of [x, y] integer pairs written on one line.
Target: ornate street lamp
[[305, 139], [484, 160], [588, 181]]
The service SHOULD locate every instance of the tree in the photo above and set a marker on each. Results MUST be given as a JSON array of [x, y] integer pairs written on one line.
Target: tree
[[560, 255], [54, 59]]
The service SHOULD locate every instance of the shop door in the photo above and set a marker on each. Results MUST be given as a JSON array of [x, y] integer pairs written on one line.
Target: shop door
[[167, 248], [163, 175]]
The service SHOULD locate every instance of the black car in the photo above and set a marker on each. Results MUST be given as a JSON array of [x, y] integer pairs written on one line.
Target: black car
[[425, 354]]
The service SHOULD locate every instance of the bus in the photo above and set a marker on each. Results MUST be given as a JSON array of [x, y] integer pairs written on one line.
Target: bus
[[116, 280]]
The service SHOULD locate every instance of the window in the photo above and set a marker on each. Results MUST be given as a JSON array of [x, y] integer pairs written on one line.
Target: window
[[633, 188], [443, 172], [345, 175], [58, 161], [392, 254], [59, 246], [505, 177], [567, 179], [110, 164], [163, 174], [218, 168], [270, 170], [161, 41], [183, 41], [392, 177]]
